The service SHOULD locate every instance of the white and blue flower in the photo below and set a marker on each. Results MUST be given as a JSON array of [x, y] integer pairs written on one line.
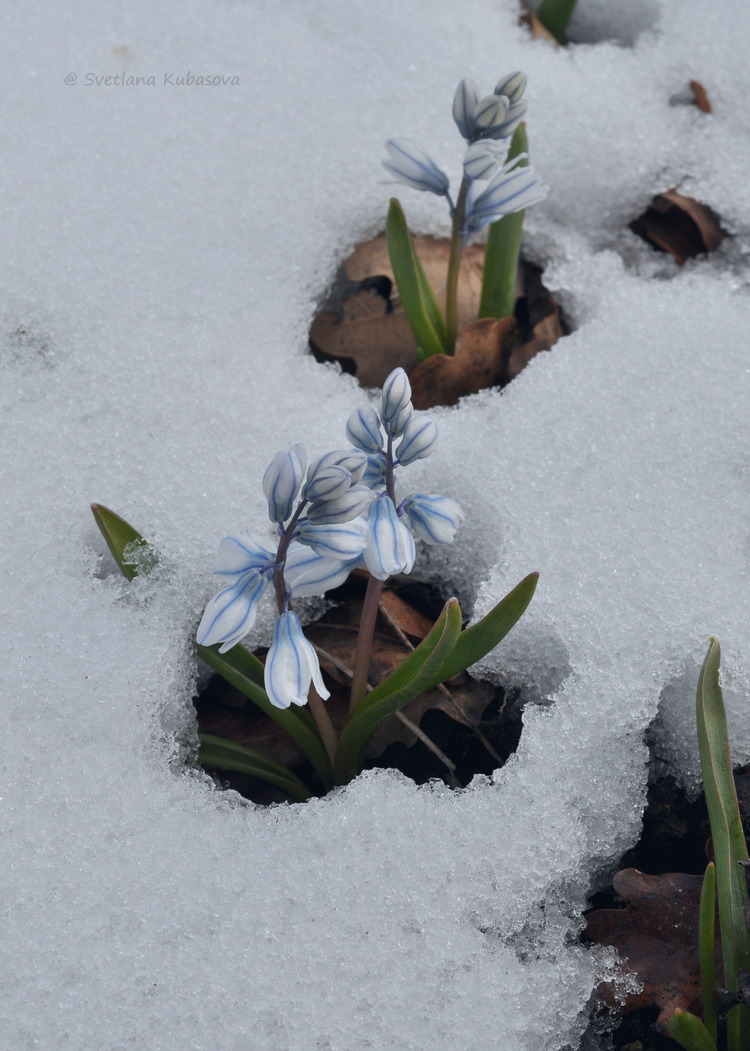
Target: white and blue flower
[[413, 166], [512, 190], [435, 519], [418, 441], [390, 546], [291, 665]]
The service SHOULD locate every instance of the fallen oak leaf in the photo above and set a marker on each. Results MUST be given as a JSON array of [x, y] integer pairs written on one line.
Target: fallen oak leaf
[[656, 934], [679, 225], [482, 352]]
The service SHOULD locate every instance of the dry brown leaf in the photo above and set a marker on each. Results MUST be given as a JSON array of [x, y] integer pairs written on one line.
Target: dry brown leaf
[[679, 225], [700, 96], [482, 352], [657, 936]]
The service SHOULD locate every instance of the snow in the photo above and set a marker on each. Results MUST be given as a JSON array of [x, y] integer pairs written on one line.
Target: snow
[[165, 247]]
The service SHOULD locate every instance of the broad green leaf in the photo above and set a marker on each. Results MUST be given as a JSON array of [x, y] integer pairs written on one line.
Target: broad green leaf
[[245, 672], [418, 299], [412, 677], [707, 947], [477, 641], [503, 250], [228, 755], [688, 1030], [122, 541], [728, 839], [555, 15]]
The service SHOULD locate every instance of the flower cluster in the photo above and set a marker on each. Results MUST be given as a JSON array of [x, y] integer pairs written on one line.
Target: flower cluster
[[486, 123], [330, 517]]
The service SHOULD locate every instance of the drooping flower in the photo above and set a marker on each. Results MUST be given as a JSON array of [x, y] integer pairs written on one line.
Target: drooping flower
[[230, 615], [390, 546], [291, 665], [513, 189], [432, 518], [413, 166]]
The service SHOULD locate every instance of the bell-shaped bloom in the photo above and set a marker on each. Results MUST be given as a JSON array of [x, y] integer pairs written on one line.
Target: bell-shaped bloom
[[511, 190], [353, 502], [418, 441], [432, 518], [512, 86], [328, 484], [483, 157], [390, 545], [291, 665], [505, 128], [395, 402], [352, 460], [411, 165], [307, 573], [282, 480], [231, 614], [363, 430], [464, 103], [344, 540]]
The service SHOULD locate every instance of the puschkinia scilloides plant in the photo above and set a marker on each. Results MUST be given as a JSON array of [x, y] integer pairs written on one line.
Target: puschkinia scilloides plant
[[342, 510], [497, 185], [724, 884]]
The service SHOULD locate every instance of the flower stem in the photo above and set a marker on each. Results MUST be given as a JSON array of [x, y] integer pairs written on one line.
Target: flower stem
[[454, 265], [323, 722], [364, 642]]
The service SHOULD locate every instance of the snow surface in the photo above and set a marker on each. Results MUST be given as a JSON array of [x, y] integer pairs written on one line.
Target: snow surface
[[165, 246]]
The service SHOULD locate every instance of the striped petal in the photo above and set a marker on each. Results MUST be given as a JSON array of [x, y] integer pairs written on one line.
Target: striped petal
[[282, 480], [464, 104], [237, 554], [433, 518], [511, 190], [411, 165], [340, 541], [307, 573], [291, 665], [390, 546], [231, 614]]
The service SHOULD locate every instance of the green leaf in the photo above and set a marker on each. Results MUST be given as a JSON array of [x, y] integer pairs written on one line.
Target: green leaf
[[228, 755], [477, 641], [412, 677], [503, 251], [728, 839], [420, 305], [123, 541], [688, 1030], [555, 15], [707, 947], [245, 672]]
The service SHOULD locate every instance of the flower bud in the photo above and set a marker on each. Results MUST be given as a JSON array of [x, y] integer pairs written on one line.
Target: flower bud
[[396, 400], [418, 441], [512, 86], [363, 430], [464, 104], [282, 480], [490, 112], [343, 540], [328, 484], [353, 502]]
